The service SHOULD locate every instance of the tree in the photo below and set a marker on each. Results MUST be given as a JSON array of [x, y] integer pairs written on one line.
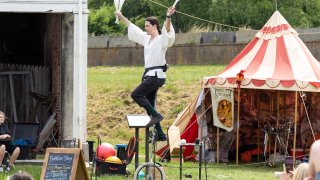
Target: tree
[[251, 14], [254, 13], [102, 22]]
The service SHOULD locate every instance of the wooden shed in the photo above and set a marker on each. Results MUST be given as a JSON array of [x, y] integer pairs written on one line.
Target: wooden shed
[[43, 64]]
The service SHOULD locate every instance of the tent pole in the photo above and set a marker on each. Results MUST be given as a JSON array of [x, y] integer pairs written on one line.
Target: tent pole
[[277, 124], [295, 128], [258, 115], [218, 138], [238, 127]]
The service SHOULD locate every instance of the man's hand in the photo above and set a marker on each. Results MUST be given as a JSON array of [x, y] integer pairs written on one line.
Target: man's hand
[[122, 18], [119, 14], [171, 11]]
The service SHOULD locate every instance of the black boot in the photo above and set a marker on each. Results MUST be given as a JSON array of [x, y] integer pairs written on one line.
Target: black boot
[[160, 135], [155, 116]]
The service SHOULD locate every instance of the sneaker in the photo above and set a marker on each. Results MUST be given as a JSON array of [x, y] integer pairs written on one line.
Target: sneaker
[[8, 168], [1, 169], [154, 120]]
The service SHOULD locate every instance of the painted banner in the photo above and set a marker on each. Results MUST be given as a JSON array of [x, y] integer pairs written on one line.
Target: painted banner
[[222, 108]]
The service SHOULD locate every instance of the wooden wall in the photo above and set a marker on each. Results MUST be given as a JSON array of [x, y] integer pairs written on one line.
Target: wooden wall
[[22, 87]]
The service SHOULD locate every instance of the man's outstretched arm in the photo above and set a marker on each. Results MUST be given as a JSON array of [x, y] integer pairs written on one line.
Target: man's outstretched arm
[[167, 23], [123, 18]]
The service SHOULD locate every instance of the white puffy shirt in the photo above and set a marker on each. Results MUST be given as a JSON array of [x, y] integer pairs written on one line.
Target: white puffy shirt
[[155, 51]]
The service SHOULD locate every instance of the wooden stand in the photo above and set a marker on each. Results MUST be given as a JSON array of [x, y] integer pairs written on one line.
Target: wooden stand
[[139, 121]]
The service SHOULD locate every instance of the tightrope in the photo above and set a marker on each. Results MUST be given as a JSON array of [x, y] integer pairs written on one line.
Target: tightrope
[[220, 24], [205, 20]]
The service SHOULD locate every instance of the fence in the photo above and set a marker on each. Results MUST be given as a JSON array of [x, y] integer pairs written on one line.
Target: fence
[[17, 82]]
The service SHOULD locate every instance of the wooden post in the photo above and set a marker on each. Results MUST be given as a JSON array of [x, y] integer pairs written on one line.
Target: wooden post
[[238, 126], [278, 116], [218, 139], [295, 128], [258, 115], [13, 101]]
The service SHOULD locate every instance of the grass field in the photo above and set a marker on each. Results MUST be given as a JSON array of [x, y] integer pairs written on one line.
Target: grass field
[[214, 172], [109, 100]]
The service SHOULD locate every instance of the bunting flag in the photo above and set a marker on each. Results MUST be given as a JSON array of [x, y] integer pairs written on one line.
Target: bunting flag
[[118, 4], [222, 108]]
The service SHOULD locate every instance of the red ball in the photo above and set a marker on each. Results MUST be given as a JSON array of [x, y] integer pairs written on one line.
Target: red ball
[[105, 150], [246, 156]]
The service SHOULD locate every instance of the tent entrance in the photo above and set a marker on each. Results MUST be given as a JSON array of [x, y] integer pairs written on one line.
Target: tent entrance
[[266, 124]]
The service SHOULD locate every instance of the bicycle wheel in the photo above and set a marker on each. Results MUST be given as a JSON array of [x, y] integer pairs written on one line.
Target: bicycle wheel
[[149, 171]]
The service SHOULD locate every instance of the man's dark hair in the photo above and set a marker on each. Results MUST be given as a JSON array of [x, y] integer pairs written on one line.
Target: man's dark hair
[[154, 21]]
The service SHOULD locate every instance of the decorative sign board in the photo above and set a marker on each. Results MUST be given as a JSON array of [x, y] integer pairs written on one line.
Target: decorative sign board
[[222, 108], [64, 164]]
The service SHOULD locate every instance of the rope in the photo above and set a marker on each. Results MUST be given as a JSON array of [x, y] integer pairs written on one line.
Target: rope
[[305, 108], [216, 23], [187, 128], [205, 20]]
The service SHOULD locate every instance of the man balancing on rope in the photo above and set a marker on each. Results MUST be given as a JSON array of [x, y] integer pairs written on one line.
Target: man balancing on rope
[[155, 42]]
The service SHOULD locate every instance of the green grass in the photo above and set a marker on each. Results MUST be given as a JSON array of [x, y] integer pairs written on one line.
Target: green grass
[[214, 171], [109, 100], [35, 171]]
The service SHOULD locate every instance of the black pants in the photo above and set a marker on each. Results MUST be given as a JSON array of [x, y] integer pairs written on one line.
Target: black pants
[[146, 92]]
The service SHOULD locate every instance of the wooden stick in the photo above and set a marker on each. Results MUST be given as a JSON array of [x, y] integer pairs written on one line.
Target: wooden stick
[[218, 151], [295, 128], [275, 140], [238, 127], [269, 145], [258, 115]]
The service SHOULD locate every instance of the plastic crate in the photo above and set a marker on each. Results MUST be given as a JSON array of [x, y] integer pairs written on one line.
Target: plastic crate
[[110, 168]]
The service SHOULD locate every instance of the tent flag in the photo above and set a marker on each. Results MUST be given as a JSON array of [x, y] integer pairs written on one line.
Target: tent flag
[[200, 98], [118, 4], [222, 107]]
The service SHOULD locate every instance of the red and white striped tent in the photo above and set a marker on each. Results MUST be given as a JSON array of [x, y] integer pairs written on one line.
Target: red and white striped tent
[[276, 59]]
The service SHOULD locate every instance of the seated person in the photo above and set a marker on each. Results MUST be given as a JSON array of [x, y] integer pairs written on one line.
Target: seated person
[[21, 176], [6, 144], [300, 173], [314, 161]]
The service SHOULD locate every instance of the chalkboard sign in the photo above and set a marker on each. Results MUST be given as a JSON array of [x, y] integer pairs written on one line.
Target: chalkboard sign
[[59, 166], [64, 164]]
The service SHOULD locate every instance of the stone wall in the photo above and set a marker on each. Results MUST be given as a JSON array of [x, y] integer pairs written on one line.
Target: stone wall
[[191, 48]]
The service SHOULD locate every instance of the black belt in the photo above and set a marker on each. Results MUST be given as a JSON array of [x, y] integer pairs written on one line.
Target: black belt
[[164, 68], [155, 67]]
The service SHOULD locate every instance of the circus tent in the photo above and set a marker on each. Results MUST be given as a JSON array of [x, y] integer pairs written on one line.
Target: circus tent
[[276, 58]]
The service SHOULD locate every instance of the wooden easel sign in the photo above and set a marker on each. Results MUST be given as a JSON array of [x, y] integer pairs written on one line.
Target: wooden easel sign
[[64, 164]]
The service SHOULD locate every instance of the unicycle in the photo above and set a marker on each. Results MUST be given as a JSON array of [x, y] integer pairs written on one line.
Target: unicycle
[[150, 170]]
